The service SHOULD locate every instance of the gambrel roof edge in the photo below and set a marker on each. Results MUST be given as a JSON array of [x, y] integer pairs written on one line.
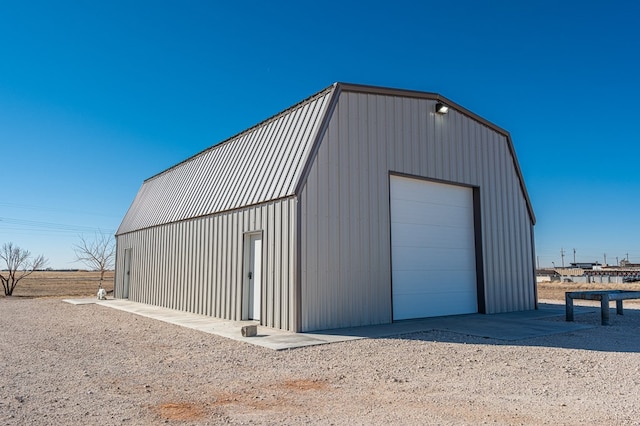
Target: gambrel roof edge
[[250, 129], [376, 90], [260, 164], [268, 161]]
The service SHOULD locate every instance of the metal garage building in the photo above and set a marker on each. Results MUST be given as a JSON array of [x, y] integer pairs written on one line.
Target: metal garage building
[[360, 205]]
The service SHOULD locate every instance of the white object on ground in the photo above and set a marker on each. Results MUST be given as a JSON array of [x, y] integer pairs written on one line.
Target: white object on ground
[[102, 294]]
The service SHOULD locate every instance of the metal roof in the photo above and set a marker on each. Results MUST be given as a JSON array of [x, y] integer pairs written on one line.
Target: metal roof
[[260, 164], [267, 162]]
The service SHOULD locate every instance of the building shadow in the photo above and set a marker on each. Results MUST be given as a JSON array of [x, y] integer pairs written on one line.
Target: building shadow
[[584, 333], [544, 327]]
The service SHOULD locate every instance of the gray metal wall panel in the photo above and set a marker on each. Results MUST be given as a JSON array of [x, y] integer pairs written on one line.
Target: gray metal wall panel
[[260, 165], [196, 265], [345, 230]]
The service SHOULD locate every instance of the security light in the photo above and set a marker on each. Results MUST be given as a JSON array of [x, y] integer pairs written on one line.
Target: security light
[[441, 108]]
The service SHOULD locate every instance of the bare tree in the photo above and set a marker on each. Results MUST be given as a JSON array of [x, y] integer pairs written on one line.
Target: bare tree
[[98, 254], [19, 265]]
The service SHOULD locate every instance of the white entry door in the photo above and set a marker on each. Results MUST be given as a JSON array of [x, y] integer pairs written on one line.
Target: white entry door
[[127, 273], [255, 275], [432, 249]]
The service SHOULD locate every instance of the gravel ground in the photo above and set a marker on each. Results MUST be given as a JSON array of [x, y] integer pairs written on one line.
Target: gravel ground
[[68, 365]]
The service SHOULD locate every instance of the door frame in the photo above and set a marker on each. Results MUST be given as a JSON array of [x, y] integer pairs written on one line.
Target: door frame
[[126, 278], [477, 230], [247, 290]]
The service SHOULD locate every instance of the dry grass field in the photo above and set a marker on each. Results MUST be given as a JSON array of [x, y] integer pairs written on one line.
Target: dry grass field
[[62, 284], [85, 284], [556, 291]]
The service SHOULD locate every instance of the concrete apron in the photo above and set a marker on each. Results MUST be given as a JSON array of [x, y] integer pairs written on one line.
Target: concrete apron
[[510, 326]]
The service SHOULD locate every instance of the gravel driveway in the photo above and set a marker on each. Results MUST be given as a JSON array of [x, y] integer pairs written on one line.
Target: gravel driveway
[[68, 365]]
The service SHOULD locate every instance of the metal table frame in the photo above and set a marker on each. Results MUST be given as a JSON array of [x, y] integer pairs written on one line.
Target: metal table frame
[[604, 296]]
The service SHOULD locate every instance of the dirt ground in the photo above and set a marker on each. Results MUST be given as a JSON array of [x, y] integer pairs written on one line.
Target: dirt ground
[[62, 364]]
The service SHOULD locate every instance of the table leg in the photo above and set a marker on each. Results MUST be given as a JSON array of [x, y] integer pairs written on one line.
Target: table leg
[[604, 307], [568, 307], [619, 307]]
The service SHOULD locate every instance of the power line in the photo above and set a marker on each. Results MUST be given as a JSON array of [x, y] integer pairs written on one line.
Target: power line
[[49, 226], [53, 209]]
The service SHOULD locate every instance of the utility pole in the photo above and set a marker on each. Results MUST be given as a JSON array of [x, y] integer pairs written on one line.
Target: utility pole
[[617, 261], [627, 256], [538, 261], [562, 256], [574, 255], [605, 259]]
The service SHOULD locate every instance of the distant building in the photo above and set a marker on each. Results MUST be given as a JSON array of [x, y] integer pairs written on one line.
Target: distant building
[[586, 265], [546, 275], [586, 272]]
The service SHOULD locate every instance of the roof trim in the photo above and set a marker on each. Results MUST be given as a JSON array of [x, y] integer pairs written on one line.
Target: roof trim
[[217, 178], [221, 212], [317, 138], [250, 129], [376, 90], [336, 89]]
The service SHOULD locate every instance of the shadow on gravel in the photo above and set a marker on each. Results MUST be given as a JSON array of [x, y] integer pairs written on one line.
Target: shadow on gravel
[[545, 326], [546, 331]]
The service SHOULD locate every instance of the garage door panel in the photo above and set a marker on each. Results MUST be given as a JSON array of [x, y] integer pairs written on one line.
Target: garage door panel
[[433, 249], [443, 304], [412, 235], [430, 299], [436, 192], [416, 282], [426, 258], [429, 213]]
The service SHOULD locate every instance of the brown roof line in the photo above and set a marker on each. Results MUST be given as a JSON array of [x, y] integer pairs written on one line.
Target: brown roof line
[[237, 135], [361, 88]]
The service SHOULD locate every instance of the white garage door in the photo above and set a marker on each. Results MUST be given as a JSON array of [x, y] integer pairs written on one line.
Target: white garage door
[[433, 254]]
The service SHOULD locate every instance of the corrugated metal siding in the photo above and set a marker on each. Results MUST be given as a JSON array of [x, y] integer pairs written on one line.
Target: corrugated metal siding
[[259, 165], [345, 231], [196, 265]]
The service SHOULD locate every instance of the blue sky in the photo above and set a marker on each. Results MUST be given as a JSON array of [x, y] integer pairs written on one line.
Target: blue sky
[[95, 97]]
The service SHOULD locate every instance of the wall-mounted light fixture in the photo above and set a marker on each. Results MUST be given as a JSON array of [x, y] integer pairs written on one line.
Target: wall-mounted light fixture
[[441, 108]]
